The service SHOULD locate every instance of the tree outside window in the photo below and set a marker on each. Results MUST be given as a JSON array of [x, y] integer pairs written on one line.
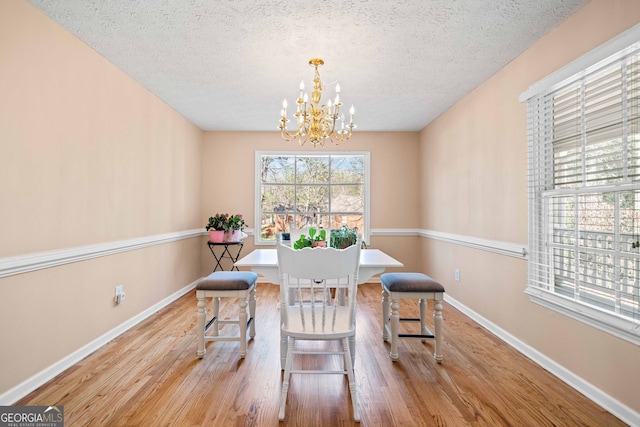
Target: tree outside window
[[310, 190]]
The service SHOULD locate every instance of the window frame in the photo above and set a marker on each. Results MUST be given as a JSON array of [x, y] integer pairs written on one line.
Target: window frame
[[258, 187], [541, 191]]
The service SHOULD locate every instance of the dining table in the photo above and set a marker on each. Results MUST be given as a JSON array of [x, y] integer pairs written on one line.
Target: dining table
[[265, 263]]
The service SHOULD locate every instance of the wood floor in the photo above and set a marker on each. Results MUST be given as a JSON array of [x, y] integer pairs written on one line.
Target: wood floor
[[150, 376]]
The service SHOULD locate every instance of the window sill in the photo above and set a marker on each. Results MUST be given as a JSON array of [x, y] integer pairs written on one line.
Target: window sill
[[627, 330]]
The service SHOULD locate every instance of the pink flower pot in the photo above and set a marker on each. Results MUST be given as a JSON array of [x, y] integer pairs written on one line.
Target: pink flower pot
[[216, 236], [232, 235]]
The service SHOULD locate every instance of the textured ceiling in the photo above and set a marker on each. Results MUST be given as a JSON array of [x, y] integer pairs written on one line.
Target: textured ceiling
[[228, 64]]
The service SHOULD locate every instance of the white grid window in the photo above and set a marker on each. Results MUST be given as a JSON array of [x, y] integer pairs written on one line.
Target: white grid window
[[584, 194], [297, 190]]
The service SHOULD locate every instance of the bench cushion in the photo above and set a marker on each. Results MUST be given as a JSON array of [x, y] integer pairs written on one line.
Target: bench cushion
[[410, 282], [228, 281]]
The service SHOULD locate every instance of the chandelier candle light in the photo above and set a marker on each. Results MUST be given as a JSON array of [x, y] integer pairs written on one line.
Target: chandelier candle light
[[316, 122]]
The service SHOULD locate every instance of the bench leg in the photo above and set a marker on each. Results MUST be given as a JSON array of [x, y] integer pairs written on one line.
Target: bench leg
[[437, 325], [422, 305], [385, 314], [216, 314], [395, 325], [201, 317], [252, 312], [242, 325]]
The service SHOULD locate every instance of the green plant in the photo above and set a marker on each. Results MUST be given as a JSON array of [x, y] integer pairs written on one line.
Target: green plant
[[343, 237], [218, 222], [307, 242], [235, 222]]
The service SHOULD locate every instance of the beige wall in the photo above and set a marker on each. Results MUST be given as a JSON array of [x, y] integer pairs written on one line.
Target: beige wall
[[228, 181], [474, 183], [87, 156]]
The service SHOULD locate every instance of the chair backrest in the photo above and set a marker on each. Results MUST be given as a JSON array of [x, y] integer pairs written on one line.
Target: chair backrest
[[320, 278]]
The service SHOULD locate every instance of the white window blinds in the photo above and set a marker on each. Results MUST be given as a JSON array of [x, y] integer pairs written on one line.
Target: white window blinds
[[584, 189]]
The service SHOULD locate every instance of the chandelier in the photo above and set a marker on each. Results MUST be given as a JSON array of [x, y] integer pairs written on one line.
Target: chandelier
[[315, 122]]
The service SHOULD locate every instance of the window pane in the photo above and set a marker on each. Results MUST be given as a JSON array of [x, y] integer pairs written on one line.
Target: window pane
[[351, 221], [596, 276], [312, 170], [268, 227], [596, 212], [312, 198], [633, 150], [277, 198], [347, 169], [347, 198], [630, 287], [277, 169]]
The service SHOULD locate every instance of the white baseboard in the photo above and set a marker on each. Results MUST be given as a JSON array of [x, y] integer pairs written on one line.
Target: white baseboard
[[623, 412], [26, 387]]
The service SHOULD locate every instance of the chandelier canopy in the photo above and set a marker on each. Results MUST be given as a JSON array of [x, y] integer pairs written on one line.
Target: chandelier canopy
[[315, 122]]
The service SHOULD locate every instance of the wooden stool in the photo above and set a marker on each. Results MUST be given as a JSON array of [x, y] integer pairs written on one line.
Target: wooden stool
[[230, 284], [416, 286]]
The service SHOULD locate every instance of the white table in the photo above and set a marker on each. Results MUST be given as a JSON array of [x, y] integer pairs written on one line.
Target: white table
[[265, 263]]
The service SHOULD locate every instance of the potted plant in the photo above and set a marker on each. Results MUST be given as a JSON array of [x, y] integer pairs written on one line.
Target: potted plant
[[216, 227], [343, 237], [315, 239], [235, 225]]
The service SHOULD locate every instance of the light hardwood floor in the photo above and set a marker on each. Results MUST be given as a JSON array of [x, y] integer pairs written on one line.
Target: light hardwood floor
[[150, 376]]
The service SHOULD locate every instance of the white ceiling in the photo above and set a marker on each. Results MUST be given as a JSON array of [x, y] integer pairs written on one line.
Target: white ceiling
[[228, 64]]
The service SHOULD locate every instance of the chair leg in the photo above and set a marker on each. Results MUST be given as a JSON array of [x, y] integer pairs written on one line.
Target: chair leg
[[283, 350], [352, 350], [285, 378], [395, 324], [252, 312], [201, 317], [242, 325], [422, 303], [385, 314], [437, 326], [352, 382]]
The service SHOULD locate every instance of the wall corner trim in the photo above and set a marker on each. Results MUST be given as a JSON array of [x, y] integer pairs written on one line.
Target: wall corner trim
[[37, 261]]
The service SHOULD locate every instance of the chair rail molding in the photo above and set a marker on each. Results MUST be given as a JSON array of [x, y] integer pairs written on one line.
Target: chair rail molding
[[37, 261], [504, 248]]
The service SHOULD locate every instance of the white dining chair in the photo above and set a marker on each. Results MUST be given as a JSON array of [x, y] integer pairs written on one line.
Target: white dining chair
[[311, 281]]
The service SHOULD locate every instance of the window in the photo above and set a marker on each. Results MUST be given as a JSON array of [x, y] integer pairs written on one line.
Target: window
[[584, 195], [310, 190]]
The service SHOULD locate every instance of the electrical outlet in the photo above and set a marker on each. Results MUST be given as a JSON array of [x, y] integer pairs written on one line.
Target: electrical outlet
[[119, 299], [457, 274]]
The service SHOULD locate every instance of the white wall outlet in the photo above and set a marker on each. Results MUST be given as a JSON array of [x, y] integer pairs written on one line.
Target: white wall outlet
[[457, 275], [119, 299]]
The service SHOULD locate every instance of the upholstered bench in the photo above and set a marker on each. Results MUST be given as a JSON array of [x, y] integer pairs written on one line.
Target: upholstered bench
[[416, 286], [229, 284]]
